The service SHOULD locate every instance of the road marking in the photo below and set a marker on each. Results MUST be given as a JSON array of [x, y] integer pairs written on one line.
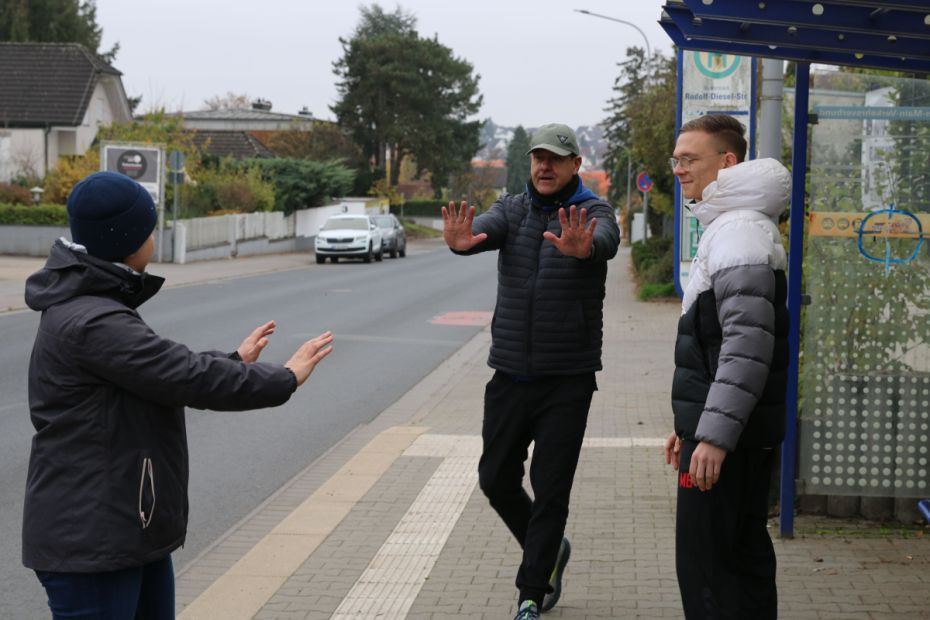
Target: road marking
[[383, 339], [251, 582], [473, 319], [393, 579]]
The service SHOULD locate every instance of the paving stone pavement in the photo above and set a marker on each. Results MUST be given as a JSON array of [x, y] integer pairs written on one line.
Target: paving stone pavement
[[421, 542]]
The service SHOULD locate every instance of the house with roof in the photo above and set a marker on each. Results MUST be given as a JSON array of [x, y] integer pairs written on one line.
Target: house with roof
[[53, 98], [242, 132]]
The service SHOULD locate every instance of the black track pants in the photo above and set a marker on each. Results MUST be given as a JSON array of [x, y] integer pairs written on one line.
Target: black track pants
[[553, 414], [723, 552]]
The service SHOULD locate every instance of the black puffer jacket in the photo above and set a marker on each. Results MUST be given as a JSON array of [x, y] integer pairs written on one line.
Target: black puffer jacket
[[107, 481], [549, 314], [731, 355]]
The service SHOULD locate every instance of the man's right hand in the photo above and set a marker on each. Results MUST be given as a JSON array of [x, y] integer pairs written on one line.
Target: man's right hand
[[309, 355], [673, 450], [456, 227]]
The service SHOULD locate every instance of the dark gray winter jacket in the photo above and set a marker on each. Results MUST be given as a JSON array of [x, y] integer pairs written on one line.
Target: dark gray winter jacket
[[549, 314], [731, 355], [107, 481]]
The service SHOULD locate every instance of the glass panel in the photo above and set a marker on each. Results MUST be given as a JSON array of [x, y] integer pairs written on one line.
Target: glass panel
[[866, 349]]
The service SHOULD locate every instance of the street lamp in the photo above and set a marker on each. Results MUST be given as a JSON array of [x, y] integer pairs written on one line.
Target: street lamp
[[622, 21], [36, 194]]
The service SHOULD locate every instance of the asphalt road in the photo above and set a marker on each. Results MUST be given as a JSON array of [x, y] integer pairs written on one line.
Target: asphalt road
[[385, 343]]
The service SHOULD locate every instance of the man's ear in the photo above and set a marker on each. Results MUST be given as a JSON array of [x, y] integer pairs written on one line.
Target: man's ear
[[729, 160]]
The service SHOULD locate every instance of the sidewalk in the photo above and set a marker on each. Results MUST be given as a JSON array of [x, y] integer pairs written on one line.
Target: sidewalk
[[390, 522]]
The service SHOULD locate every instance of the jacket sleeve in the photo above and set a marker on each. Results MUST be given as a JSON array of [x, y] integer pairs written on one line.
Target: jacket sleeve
[[120, 348], [744, 288], [493, 222], [607, 233]]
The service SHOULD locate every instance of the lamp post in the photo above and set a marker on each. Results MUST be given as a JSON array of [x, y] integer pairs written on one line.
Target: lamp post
[[622, 21], [36, 194]]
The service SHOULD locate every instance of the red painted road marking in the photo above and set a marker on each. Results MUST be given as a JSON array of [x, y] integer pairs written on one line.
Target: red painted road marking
[[476, 319]]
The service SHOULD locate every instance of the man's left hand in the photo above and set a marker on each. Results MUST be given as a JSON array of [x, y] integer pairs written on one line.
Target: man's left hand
[[706, 462], [253, 344], [577, 238]]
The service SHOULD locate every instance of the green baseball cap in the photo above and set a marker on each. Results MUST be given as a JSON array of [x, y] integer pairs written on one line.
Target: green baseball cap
[[555, 137]]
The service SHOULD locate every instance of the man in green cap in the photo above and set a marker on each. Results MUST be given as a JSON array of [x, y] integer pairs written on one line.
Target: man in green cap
[[554, 241]]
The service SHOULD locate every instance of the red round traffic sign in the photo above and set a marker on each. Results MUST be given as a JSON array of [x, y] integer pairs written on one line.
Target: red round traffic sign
[[643, 182]]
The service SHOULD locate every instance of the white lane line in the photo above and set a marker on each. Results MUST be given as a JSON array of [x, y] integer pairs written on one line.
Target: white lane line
[[383, 339]]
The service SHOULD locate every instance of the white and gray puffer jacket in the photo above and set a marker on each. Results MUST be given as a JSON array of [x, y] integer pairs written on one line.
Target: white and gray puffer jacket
[[731, 354]]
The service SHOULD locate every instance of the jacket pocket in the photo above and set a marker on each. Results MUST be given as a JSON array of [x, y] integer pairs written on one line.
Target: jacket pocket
[[146, 493]]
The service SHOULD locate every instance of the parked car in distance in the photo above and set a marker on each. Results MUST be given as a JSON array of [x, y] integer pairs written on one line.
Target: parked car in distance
[[351, 236], [393, 233]]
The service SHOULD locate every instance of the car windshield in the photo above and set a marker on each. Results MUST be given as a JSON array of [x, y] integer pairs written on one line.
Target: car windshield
[[384, 221], [342, 223]]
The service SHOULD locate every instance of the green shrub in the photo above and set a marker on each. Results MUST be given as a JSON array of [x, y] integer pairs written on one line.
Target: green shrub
[[644, 254], [229, 190], [34, 215], [420, 208], [14, 194], [302, 183], [657, 291]]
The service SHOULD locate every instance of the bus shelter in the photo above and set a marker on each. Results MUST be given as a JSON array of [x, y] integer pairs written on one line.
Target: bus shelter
[[858, 419]]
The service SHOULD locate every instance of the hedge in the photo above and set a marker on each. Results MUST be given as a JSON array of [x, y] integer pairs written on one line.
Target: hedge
[[420, 208], [34, 215]]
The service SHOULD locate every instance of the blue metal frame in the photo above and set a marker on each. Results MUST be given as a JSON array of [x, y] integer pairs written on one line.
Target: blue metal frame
[[789, 448], [867, 61], [835, 18], [855, 33], [677, 243]]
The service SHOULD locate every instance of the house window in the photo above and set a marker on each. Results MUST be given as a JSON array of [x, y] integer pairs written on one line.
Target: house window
[[6, 168]]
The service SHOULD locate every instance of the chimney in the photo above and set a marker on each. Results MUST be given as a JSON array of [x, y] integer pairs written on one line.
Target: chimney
[[261, 104], [305, 111]]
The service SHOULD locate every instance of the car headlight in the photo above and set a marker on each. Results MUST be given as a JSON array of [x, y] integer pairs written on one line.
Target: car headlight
[[361, 238]]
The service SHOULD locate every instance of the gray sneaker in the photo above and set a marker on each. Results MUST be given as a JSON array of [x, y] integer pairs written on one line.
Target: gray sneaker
[[555, 580], [528, 611]]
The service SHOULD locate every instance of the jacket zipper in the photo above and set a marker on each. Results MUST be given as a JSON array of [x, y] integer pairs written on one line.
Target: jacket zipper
[[147, 473]]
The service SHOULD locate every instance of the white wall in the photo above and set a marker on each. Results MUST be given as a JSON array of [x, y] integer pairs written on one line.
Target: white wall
[[21, 150], [310, 220]]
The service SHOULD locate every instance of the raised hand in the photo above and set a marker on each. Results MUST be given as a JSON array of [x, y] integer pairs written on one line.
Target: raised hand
[[456, 227], [309, 355], [253, 344], [577, 238]]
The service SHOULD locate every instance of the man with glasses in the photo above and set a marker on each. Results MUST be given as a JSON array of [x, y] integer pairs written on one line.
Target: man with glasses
[[731, 359], [554, 241]]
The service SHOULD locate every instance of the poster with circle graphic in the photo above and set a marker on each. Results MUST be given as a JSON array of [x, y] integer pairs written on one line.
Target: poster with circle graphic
[[142, 163], [711, 83]]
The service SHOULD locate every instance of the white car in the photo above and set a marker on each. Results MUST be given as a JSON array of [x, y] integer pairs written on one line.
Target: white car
[[354, 236]]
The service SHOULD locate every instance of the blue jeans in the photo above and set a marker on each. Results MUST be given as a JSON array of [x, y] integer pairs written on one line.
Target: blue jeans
[[138, 593]]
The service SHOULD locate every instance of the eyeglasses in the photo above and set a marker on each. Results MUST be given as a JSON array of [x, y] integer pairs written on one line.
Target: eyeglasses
[[685, 162]]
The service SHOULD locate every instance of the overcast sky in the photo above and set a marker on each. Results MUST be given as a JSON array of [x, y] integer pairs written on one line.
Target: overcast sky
[[538, 60]]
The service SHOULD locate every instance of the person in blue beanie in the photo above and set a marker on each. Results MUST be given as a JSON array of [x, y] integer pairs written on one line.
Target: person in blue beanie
[[553, 243], [106, 492]]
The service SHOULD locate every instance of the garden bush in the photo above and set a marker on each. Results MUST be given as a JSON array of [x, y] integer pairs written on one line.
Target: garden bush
[[33, 215]]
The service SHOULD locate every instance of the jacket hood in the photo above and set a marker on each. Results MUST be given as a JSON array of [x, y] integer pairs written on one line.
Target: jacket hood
[[69, 273], [761, 185], [582, 194]]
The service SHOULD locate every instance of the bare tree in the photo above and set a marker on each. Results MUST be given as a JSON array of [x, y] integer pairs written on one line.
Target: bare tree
[[229, 101]]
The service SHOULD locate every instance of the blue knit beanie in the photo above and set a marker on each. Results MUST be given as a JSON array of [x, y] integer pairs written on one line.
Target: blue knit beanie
[[111, 215]]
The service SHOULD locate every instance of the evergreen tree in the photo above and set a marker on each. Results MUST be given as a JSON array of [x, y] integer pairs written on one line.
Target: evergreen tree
[[641, 128], [409, 94], [53, 21], [518, 162]]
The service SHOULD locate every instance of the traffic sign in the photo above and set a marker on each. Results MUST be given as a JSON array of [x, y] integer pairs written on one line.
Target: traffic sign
[[643, 182]]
